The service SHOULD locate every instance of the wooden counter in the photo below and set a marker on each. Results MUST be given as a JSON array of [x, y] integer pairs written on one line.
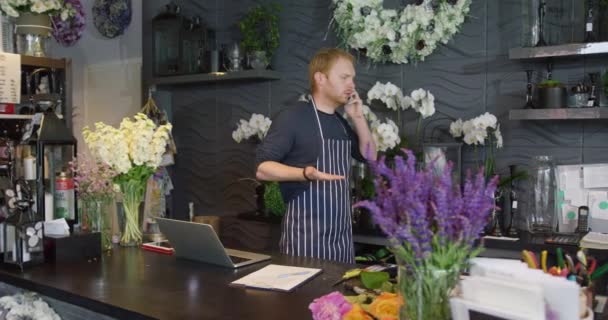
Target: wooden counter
[[137, 284]]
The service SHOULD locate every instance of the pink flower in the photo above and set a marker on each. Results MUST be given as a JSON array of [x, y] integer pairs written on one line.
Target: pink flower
[[330, 307]]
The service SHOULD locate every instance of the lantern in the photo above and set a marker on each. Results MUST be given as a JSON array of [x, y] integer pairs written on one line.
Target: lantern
[[55, 148], [22, 231]]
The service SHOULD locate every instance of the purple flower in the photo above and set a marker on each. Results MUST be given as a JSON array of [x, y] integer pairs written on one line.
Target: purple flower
[[92, 180], [68, 32], [413, 206], [332, 306]]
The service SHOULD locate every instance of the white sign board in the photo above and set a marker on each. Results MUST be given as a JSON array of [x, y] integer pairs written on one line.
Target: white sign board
[[10, 78]]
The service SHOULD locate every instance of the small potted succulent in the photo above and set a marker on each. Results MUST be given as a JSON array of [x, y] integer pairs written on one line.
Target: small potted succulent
[[552, 94]]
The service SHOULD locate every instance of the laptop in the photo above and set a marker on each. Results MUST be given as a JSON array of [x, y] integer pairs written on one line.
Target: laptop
[[198, 241]]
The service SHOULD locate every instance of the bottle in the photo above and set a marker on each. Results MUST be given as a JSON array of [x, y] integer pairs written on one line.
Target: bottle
[[514, 199], [589, 35]]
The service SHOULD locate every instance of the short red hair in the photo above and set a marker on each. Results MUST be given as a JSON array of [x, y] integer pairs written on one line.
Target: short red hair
[[323, 60]]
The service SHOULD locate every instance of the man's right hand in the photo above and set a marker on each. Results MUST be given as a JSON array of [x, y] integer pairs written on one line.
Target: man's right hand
[[315, 175]]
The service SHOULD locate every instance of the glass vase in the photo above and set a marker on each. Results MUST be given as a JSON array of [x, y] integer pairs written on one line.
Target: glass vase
[[98, 218], [426, 292], [132, 196]]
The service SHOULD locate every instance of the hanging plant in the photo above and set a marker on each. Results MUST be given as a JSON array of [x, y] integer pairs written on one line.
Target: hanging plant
[[398, 36], [69, 30]]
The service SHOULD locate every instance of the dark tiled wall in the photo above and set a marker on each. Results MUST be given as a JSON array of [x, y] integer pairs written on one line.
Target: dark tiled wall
[[469, 76]]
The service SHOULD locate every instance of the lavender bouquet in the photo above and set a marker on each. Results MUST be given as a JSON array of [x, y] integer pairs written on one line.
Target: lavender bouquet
[[432, 224]]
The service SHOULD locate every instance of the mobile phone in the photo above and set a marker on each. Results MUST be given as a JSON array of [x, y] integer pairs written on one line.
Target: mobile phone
[[583, 219], [158, 246]]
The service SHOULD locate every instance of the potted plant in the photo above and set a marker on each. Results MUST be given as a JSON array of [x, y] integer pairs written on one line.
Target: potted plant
[[260, 29], [33, 21], [552, 94]]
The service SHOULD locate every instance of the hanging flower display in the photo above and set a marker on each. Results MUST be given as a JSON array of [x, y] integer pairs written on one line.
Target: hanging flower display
[[68, 29], [398, 36]]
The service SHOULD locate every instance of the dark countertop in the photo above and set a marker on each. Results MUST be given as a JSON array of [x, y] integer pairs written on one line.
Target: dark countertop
[[137, 284]]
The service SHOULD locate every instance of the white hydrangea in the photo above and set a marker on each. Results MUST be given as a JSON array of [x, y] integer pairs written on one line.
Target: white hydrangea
[[477, 130], [258, 125], [136, 142]]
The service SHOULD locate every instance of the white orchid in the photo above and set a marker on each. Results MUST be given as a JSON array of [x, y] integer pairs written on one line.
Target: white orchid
[[258, 125], [477, 130]]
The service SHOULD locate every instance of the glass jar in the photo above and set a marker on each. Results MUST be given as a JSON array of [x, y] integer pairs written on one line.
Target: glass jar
[[541, 213]]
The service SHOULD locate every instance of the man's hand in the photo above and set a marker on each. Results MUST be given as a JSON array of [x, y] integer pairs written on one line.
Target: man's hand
[[354, 107], [315, 175]]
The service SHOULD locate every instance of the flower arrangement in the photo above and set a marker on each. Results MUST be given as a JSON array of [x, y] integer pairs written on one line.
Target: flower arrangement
[[68, 30], [13, 8], [92, 180], [398, 36], [482, 130], [257, 126], [111, 17], [431, 224], [386, 134], [336, 306], [134, 151], [27, 306]]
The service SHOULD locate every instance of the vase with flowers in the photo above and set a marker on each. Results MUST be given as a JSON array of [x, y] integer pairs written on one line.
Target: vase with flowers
[[431, 223], [33, 24], [134, 151], [268, 195], [93, 181]]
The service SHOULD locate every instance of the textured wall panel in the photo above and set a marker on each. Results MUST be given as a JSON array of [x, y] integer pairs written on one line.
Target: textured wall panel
[[470, 75]]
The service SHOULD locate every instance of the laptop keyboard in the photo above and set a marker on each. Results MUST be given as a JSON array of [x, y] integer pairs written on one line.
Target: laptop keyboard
[[236, 260]]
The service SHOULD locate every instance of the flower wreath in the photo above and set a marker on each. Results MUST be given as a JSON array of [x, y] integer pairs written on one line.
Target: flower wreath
[[69, 30], [387, 35]]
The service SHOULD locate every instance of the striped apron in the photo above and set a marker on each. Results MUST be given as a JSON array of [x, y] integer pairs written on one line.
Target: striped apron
[[318, 221]]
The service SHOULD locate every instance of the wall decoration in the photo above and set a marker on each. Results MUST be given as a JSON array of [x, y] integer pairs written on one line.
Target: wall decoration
[[112, 17], [69, 30], [398, 36]]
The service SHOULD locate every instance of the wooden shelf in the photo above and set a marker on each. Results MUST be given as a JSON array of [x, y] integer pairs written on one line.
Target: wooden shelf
[[43, 62], [16, 116], [40, 97], [563, 50], [559, 114], [217, 77]]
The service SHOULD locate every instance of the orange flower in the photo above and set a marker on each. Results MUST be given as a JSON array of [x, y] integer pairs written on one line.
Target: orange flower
[[386, 306], [356, 313]]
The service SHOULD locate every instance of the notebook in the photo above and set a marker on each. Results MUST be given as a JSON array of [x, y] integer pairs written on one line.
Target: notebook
[[277, 277], [197, 241]]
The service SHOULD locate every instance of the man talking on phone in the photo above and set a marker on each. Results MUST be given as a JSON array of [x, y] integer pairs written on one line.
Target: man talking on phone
[[308, 149]]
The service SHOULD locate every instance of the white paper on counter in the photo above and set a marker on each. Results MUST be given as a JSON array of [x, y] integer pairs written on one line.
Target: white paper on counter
[[595, 176], [58, 227], [598, 204], [10, 78]]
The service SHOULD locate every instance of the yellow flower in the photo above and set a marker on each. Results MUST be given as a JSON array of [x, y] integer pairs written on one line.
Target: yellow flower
[[386, 306], [356, 313]]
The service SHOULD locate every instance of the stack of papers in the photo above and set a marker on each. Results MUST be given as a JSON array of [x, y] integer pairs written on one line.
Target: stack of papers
[[509, 289], [595, 240], [277, 277]]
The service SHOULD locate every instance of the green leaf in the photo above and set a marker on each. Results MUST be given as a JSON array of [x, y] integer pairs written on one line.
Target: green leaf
[[374, 280]]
